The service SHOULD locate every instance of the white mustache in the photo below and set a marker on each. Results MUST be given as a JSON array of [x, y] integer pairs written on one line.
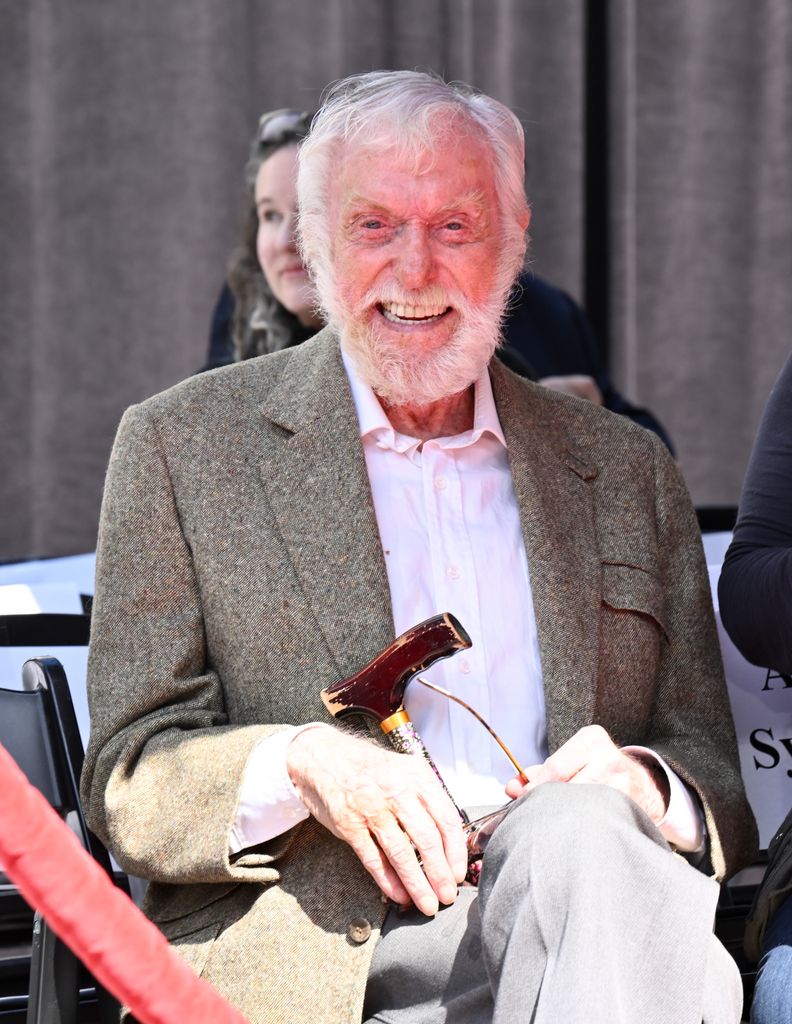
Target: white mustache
[[432, 295]]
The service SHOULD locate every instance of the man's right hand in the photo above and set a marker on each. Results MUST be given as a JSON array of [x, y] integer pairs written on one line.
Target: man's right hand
[[380, 802]]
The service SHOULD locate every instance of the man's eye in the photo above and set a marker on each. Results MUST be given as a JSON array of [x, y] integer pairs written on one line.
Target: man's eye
[[269, 217], [453, 225], [372, 224]]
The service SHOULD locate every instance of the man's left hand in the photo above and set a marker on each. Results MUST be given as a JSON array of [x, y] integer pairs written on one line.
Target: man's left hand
[[592, 756]]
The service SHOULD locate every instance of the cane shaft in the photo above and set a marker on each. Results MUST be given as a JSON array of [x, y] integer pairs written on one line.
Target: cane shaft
[[405, 739]]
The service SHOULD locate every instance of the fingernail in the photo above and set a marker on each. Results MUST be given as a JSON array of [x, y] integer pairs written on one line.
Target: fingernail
[[448, 893]]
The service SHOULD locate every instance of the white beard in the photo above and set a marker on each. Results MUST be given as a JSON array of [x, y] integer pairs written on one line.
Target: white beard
[[405, 375]]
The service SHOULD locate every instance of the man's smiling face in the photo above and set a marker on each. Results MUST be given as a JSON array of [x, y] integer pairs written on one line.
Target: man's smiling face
[[417, 263]]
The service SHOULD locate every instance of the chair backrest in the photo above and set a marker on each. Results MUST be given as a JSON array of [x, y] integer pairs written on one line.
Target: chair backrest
[[62, 636], [56, 629], [39, 729]]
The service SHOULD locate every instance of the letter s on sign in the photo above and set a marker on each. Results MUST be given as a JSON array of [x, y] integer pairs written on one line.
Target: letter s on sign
[[764, 748]]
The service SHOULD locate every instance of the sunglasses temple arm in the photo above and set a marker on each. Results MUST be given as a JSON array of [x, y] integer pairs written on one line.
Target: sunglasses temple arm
[[493, 734]]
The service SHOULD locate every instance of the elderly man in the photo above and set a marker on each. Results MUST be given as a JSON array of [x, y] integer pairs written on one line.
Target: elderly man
[[269, 527]]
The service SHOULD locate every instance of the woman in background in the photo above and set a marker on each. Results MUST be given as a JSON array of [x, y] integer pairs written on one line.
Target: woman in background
[[755, 597], [268, 303]]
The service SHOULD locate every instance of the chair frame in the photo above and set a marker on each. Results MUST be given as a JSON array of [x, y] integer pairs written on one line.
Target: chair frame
[[49, 750]]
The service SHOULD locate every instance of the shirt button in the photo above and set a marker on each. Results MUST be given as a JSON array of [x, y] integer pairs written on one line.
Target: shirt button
[[359, 930], [452, 572], [464, 667], [440, 483]]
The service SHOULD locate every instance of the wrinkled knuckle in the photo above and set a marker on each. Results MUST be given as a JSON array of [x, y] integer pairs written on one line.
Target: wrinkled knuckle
[[402, 857], [427, 842], [371, 861], [450, 824]]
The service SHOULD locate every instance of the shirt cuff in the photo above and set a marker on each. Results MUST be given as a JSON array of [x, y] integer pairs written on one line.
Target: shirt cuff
[[683, 825], [268, 802]]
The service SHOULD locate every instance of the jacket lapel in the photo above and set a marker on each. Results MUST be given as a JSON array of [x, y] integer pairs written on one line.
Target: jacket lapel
[[318, 486], [552, 483]]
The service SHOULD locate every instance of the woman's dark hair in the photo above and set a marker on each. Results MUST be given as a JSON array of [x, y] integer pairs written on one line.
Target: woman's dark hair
[[261, 324]]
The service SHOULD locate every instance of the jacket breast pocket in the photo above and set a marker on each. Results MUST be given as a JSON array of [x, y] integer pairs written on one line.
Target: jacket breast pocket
[[632, 637]]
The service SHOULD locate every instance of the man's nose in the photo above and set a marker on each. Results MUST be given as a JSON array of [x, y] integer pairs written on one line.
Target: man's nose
[[416, 262]]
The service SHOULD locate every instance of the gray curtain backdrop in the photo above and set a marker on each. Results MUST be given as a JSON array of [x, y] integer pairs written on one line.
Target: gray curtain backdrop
[[701, 199], [125, 129]]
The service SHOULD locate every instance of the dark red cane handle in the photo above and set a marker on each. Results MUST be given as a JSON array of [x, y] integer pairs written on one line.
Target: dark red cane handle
[[377, 690]]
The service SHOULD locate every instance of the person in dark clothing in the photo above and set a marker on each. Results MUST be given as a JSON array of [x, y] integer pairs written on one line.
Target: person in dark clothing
[[755, 587], [268, 303], [755, 596], [554, 336]]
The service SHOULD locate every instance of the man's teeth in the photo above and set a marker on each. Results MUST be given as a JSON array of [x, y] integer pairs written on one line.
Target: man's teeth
[[398, 313]]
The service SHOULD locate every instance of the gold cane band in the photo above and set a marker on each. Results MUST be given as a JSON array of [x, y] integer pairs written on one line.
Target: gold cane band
[[393, 721]]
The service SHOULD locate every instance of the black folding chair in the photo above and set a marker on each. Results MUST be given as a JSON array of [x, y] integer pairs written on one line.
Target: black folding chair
[[39, 729], [53, 629]]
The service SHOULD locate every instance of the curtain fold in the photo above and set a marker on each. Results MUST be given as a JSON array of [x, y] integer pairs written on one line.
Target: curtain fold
[[701, 126]]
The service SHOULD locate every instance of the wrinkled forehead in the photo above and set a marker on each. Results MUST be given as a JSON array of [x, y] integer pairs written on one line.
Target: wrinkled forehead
[[412, 133], [451, 166]]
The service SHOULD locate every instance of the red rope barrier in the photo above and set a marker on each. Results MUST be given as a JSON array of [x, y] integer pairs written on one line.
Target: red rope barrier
[[98, 921]]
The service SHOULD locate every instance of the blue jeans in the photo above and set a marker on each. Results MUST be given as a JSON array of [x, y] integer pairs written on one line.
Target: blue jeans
[[772, 1001]]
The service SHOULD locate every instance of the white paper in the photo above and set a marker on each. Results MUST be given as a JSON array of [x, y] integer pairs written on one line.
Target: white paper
[[29, 598]]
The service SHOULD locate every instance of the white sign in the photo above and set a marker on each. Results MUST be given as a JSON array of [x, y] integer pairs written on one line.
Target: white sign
[[761, 703]]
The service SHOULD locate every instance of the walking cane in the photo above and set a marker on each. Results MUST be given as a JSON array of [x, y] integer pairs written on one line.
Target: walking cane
[[377, 692]]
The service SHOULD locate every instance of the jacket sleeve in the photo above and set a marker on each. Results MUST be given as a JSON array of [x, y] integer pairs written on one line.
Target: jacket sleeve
[[163, 766], [693, 727]]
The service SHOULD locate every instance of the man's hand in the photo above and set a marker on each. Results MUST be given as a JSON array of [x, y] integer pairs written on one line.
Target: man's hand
[[592, 756], [379, 801], [578, 384]]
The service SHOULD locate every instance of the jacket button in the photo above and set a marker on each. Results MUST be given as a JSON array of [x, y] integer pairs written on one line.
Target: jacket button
[[359, 930]]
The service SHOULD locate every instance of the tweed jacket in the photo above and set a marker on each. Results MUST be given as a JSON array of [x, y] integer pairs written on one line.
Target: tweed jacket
[[240, 571]]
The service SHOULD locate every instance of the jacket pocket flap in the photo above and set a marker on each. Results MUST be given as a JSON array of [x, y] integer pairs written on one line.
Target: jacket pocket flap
[[630, 588], [165, 903]]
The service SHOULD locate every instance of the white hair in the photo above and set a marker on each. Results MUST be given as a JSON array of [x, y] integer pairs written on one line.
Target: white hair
[[413, 112]]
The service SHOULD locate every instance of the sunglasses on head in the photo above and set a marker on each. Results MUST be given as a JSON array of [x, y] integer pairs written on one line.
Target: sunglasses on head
[[277, 126]]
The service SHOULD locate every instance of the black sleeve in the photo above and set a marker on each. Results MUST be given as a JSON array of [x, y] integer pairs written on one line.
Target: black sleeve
[[553, 335], [755, 587], [221, 345], [611, 398]]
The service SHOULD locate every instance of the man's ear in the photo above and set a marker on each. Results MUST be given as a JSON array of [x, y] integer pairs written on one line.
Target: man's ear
[[525, 220]]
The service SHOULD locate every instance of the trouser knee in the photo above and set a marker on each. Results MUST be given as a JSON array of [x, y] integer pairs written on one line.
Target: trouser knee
[[568, 825]]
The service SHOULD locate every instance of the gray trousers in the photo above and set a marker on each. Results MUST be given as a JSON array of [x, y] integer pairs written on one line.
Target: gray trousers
[[583, 914]]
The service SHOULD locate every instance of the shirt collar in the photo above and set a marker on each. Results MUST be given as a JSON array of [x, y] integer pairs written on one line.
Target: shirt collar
[[375, 424]]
